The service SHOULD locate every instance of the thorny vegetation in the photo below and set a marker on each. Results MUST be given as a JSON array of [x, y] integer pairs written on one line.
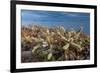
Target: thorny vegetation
[[41, 43]]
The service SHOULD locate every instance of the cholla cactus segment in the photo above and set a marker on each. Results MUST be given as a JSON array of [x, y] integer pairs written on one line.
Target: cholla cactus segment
[[35, 47], [77, 46], [49, 56], [66, 46]]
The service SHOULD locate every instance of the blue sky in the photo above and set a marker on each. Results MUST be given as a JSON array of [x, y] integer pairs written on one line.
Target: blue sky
[[56, 18]]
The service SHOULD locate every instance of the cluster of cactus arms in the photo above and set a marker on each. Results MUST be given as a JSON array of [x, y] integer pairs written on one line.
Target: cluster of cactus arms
[[70, 40], [48, 40], [56, 43]]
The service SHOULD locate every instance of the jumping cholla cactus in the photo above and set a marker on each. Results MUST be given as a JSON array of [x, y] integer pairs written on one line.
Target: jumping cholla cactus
[[48, 42], [56, 44], [70, 40]]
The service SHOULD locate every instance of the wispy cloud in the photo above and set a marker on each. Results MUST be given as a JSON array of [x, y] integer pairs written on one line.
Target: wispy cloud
[[70, 14]]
